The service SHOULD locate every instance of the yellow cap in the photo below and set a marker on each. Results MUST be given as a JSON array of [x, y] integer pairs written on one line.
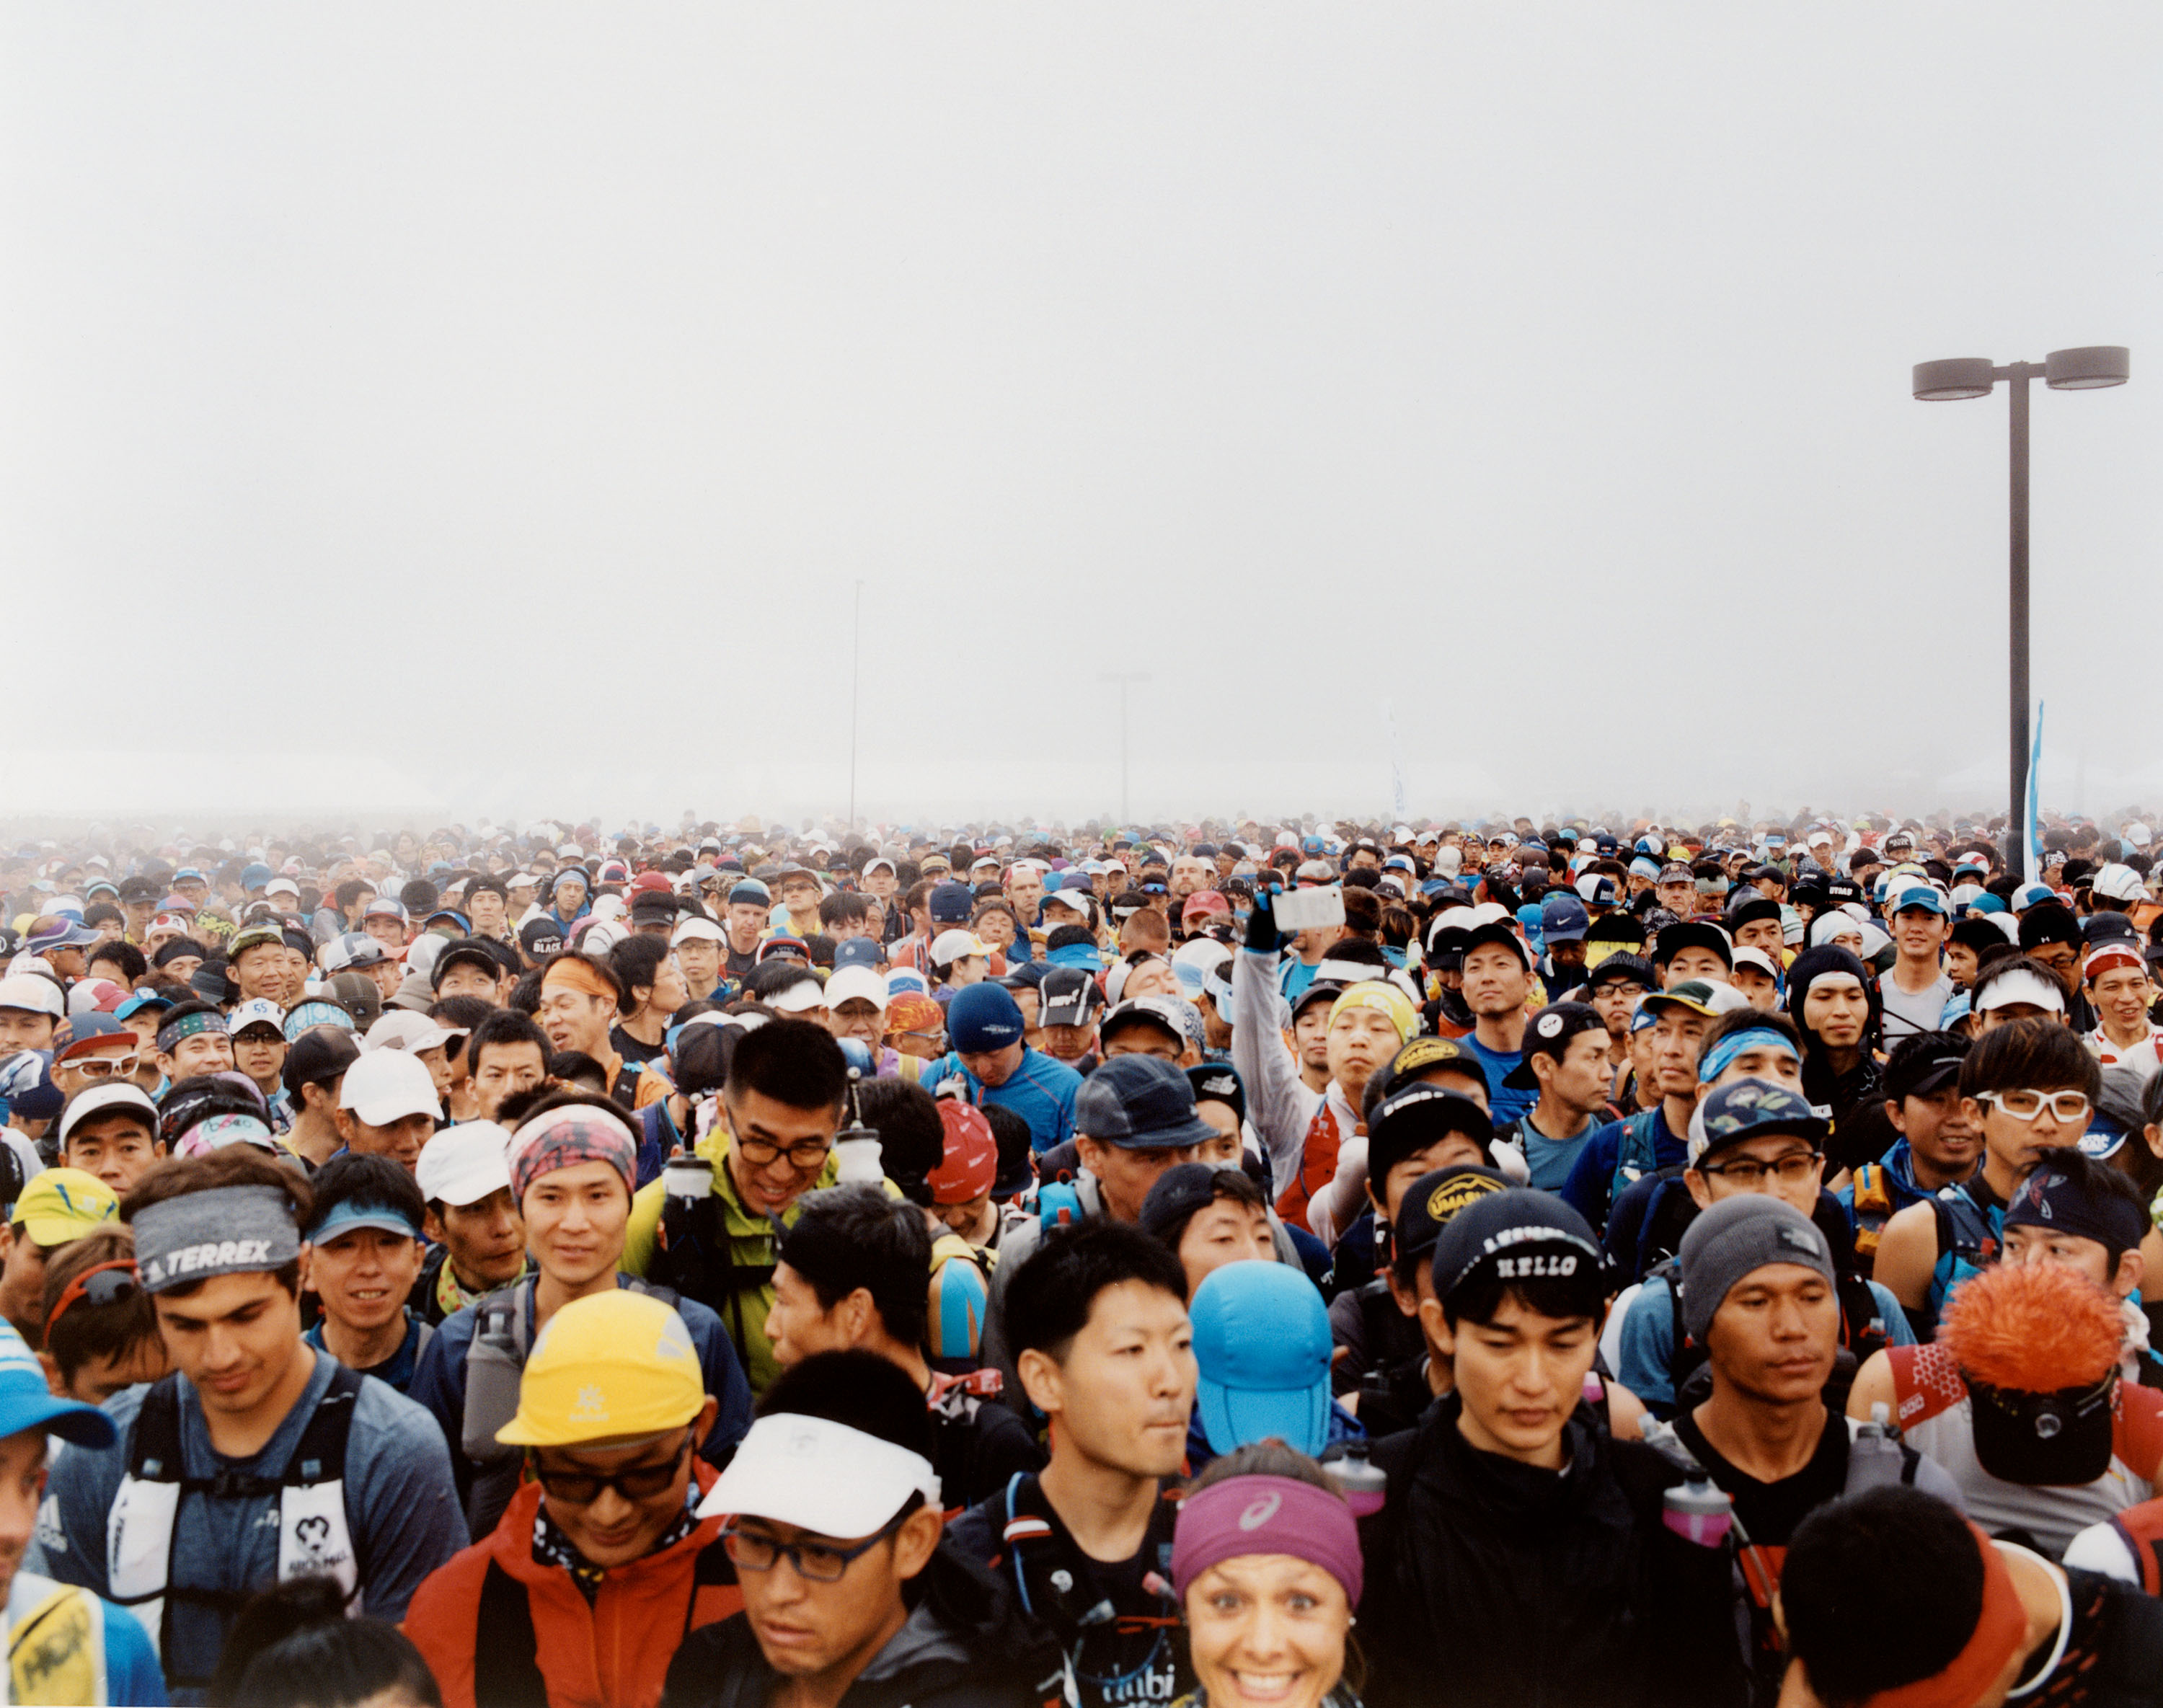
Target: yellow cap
[[61, 1204], [609, 1367]]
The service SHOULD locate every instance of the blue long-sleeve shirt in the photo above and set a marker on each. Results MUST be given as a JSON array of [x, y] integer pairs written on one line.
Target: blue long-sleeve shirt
[[1041, 1091]]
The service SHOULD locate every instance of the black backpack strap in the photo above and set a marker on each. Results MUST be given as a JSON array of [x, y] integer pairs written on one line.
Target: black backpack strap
[[319, 1455], [506, 1653], [154, 1445], [711, 1570]]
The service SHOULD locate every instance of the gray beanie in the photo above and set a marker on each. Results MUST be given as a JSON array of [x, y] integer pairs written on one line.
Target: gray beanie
[[1733, 1238]]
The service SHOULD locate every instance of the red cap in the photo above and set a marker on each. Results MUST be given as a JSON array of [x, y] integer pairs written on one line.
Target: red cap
[[1205, 901], [971, 1161], [649, 880]]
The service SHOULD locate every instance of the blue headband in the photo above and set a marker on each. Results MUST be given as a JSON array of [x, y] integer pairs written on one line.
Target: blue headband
[[1721, 1056]]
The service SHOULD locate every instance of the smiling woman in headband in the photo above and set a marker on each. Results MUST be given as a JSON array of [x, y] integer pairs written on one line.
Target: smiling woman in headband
[[1266, 1565]]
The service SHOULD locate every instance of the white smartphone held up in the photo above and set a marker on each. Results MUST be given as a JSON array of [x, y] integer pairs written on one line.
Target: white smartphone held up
[[1309, 909]]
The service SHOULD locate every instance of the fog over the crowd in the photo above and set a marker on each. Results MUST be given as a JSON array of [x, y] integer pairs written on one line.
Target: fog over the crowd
[[494, 410]]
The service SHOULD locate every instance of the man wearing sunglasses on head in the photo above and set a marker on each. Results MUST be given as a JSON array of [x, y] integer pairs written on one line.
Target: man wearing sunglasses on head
[[850, 1596], [601, 1565], [2031, 1085]]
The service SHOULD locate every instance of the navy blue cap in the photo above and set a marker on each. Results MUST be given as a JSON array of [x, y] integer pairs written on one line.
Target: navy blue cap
[[856, 952], [1136, 1102], [982, 1018], [952, 903], [1563, 918], [1219, 1082]]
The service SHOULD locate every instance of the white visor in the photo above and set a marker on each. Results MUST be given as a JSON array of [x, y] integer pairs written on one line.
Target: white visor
[[820, 1476], [2022, 985]]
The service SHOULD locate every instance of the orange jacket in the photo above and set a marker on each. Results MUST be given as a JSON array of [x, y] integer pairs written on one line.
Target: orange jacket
[[613, 1654]]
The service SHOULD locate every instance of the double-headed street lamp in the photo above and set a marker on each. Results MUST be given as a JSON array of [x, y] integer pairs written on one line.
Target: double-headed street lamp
[[2089, 369]]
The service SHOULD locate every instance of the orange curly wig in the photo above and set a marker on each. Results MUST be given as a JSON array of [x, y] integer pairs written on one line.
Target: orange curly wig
[[2033, 1327]]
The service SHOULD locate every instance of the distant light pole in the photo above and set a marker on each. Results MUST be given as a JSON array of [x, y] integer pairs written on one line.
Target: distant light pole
[[856, 661], [1123, 677], [2089, 369]]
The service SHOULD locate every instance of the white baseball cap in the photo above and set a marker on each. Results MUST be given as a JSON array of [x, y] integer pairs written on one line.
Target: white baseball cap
[[949, 946], [33, 993], [2119, 882], [1747, 955], [257, 1011], [598, 936], [101, 1099], [403, 1028], [387, 1085], [857, 984], [463, 1164]]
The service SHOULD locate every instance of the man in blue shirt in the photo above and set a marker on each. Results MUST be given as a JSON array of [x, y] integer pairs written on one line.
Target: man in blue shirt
[[1497, 980], [985, 1026]]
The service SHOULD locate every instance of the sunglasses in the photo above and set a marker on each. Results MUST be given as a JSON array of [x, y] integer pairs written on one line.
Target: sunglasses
[[584, 1488], [101, 1284], [816, 1562]]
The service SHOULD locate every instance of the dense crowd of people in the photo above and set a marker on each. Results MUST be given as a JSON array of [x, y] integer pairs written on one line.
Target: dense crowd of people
[[1572, 1264]]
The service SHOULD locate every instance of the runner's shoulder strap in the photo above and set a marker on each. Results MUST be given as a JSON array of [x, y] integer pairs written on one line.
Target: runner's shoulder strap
[[507, 1651]]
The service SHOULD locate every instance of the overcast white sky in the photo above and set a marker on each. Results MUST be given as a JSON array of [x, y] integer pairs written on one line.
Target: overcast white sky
[[491, 409]]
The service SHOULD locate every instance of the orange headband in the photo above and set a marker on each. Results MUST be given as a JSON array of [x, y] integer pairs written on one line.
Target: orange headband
[[2001, 1630], [575, 972]]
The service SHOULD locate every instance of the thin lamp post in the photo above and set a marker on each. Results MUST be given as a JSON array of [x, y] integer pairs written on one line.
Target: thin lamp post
[[1123, 677], [2091, 368]]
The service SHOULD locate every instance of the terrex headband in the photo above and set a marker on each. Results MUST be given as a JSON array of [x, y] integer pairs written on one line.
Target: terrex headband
[[226, 1230]]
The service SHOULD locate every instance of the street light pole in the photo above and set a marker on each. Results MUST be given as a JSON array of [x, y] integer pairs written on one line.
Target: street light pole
[[2018, 374], [2089, 369], [1123, 677]]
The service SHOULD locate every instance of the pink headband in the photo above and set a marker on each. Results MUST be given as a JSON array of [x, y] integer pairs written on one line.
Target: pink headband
[[563, 1137], [1265, 1514]]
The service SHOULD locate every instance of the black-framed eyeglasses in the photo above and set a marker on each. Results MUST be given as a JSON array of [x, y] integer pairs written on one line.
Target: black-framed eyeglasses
[[584, 1488], [804, 1153], [815, 1562], [1749, 1173]]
